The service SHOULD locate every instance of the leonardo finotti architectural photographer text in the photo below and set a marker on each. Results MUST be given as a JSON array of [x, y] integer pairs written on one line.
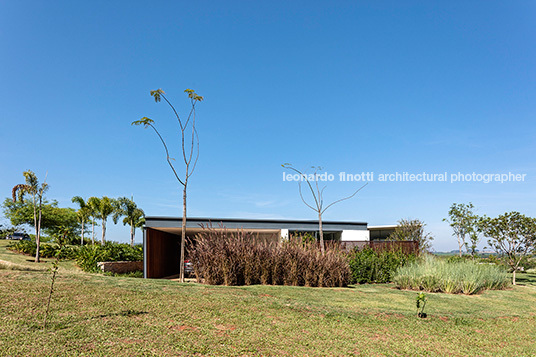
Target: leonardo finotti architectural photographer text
[[457, 177]]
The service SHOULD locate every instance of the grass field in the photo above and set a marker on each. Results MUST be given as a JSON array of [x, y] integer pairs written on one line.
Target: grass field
[[101, 315]]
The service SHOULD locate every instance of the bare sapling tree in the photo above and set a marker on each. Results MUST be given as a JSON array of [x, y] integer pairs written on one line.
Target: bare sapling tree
[[37, 192], [317, 194], [190, 152]]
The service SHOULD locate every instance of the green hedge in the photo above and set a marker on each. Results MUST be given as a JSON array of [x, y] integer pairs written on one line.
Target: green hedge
[[368, 266], [89, 255], [46, 251]]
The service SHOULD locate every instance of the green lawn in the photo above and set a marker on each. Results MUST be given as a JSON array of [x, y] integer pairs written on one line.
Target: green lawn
[[100, 315]]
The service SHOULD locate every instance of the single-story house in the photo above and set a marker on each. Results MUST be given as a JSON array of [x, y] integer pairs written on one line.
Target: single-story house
[[161, 236]]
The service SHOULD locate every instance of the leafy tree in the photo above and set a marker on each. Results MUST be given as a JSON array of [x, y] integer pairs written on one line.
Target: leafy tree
[[52, 216], [318, 197], [133, 216], [413, 229], [512, 234], [37, 192], [83, 214], [464, 223], [189, 148], [103, 207]]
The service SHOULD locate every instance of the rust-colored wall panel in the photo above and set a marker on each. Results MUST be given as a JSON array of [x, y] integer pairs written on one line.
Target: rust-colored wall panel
[[163, 252]]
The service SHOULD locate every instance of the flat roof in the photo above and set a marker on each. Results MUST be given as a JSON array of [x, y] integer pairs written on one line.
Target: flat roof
[[387, 226], [245, 223]]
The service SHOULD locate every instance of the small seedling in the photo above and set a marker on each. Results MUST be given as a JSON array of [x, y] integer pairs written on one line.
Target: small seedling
[[54, 270], [421, 303]]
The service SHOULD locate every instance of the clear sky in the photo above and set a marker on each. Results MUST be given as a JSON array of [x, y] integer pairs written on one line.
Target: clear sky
[[352, 86]]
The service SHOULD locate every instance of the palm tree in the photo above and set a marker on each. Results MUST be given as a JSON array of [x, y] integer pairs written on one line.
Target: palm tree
[[103, 208], [83, 213], [134, 216], [37, 192], [92, 204]]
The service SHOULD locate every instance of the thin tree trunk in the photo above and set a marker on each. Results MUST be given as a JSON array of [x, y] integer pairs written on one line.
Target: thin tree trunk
[[93, 231], [38, 237], [460, 245], [36, 229], [321, 232], [103, 230], [183, 230], [514, 277], [82, 239], [131, 234]]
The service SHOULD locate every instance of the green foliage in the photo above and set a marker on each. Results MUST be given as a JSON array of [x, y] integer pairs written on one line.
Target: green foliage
[[46, 250], [462, 277], [89, 255], [52, 216], [102, 208], [133, 216], [421, 300], [464, 223], [144, 121], [368, 266], [511, 234]]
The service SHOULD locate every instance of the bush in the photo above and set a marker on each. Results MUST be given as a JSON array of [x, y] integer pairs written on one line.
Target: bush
[[46, 251], [461, 277], [89, 255], [238, 258], [369, 266], [23, 247]]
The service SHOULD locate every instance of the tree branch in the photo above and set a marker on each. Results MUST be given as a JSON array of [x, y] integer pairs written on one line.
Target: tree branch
[[346, 198]]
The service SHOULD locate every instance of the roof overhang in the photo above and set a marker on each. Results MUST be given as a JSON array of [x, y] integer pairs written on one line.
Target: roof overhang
[[196, 223]]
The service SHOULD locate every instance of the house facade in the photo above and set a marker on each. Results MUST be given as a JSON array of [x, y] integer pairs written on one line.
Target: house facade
[[162, 235]]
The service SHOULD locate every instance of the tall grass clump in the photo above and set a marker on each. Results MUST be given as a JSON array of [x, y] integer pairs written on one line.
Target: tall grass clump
[[89, 255], [223, 257], [460, 277]]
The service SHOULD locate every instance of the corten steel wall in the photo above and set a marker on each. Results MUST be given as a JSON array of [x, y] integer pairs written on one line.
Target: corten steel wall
[[162, 254]]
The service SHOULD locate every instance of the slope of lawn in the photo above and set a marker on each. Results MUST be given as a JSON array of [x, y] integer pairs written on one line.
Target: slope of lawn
[[100, 315]]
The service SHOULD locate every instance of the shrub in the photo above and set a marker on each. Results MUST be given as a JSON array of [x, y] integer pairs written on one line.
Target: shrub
[[89, 255], [23, 247], [46, 251], [369, 266], [459, 277], [227, 257]]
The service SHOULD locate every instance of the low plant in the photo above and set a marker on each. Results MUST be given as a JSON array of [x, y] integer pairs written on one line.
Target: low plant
[[421, 303], [369, 266], [54, 270], [462, 277]]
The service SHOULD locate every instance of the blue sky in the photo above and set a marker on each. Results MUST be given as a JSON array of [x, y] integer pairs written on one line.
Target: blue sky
[[353, 86]]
